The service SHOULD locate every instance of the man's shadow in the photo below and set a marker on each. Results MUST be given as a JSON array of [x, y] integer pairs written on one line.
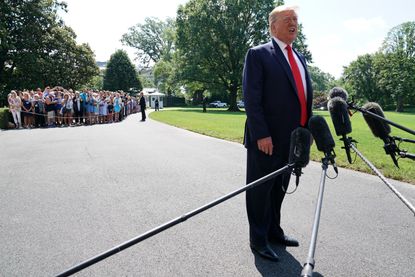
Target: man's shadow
[[287, 266]]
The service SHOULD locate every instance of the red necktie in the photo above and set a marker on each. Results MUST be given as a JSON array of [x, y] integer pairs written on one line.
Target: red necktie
[[299, 85]]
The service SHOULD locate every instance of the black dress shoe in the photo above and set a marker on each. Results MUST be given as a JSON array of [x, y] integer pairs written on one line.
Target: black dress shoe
[[285, 240], [265, 252]]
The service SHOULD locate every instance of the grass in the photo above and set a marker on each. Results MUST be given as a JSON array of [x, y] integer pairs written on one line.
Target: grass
[[230, 126], [216, 123]]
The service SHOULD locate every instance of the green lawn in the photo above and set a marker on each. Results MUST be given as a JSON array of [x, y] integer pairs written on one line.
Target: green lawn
[[230, 126]]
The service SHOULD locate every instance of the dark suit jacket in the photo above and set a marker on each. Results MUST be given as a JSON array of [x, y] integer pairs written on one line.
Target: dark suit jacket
[[271, 102], [142, 103]]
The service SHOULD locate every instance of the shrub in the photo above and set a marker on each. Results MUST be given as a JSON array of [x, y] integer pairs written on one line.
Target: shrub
[[4, 118]]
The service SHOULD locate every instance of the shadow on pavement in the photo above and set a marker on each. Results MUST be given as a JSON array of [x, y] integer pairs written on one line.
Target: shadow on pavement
[[287, 266]]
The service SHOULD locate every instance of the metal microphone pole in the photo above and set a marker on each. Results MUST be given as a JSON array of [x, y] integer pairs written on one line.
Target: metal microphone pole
[[310, 262], [403, 139], [171, 223], [380, 175], [404, 154]]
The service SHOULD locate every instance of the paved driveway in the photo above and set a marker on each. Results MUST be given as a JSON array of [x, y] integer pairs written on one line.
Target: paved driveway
[[67, 194]]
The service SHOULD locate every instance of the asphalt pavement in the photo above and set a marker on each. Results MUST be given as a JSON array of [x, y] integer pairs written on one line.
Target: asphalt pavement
[[68, 194]]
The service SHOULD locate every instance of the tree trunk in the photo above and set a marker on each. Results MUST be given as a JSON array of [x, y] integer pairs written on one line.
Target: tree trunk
[[198, 97], [232, 99], [399, 103]]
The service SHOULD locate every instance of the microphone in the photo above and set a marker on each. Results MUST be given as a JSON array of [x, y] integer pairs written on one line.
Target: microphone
[[341, 121], [323, 138], [342, 93], [338, 92], [299, 151], [381, 129]]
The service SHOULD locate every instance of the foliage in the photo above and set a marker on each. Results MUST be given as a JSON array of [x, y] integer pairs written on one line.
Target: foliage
[[320, 81], [363, 76], [320, 100], [155, 43], [386, 77], [120, 73], [154, 40], [398, 65], [213, 37], [146, 81], [164, 77], [4, 118], [301, 46], [37, 49], [96, 83]]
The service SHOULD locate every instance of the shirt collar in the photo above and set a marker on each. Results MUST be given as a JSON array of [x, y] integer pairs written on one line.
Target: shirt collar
[[281, 44]]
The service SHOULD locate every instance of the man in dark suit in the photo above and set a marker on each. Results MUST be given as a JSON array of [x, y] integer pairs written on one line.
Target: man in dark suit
[[278, 98], [142, 106]]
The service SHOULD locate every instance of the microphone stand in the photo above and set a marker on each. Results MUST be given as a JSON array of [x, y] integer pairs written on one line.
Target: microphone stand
[[403, 153], [380, 175], [310, 262], [373, 115], [172, 223], [404, 139]]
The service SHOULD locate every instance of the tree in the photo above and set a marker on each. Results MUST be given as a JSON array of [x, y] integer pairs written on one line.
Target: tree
[[398, 65], [146, 81], [37, 49], [213, 37], [320, 81], [154, 40], [363, 77], [164, 77], [301, 45], [120, 73]]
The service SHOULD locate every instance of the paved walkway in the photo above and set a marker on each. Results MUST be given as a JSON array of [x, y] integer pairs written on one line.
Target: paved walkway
[[67, 194]]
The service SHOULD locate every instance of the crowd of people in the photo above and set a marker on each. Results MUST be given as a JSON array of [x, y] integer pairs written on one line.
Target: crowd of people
[[53, 107]]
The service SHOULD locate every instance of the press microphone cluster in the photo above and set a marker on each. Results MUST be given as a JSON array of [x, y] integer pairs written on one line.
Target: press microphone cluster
[[375, 119]]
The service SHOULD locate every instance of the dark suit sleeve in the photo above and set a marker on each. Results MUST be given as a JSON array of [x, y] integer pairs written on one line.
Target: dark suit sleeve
[[253, 96]]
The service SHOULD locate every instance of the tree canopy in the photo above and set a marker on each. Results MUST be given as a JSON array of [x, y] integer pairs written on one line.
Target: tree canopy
[[38, 49], [121, 74], [387, 76], [153, 40]]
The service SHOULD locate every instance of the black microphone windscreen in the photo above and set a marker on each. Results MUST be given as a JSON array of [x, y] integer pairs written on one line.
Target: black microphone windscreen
[[340, 116], [300, 147], [338, 92], [378, 127], [321, 133]]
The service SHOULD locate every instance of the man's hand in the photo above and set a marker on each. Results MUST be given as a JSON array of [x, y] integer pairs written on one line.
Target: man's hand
[[265, 145]]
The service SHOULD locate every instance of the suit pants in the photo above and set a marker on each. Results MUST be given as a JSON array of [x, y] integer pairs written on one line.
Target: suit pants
[[143, 114], [263, 202]]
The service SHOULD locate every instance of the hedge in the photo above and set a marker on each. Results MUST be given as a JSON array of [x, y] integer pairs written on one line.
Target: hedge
[[4, 118]]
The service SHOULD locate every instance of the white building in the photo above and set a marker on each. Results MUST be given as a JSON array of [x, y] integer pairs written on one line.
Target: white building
[[151, 94]]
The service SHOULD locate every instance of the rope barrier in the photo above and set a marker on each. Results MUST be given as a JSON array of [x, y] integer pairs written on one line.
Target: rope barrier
[[73, 116]]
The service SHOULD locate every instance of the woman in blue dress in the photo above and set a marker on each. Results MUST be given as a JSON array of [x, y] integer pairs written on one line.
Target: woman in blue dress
[[90, 108], [117, 106]]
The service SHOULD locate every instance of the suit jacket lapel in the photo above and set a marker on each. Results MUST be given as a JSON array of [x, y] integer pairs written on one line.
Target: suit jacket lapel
[[277, 53]]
